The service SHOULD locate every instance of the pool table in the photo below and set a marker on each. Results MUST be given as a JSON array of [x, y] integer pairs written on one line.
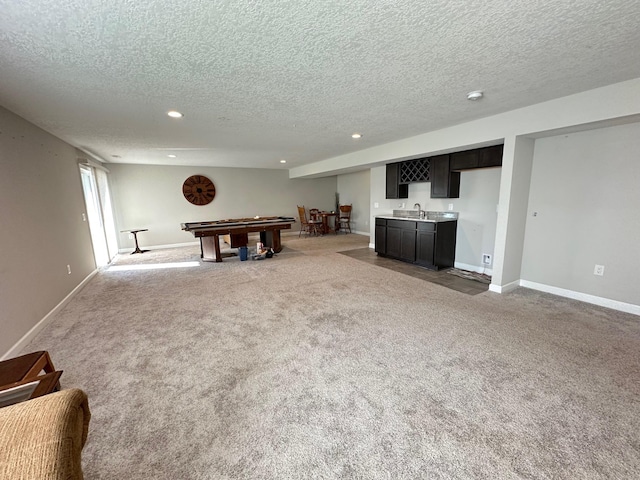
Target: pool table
[[238, 230]]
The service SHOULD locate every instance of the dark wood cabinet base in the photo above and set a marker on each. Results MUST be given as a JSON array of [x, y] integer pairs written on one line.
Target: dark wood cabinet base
[[429, 244]]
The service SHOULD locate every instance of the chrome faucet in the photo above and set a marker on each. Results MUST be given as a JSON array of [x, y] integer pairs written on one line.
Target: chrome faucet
[[420, 212]]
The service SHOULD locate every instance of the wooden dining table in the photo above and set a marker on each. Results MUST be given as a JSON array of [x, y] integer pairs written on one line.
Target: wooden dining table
[[326, 228]]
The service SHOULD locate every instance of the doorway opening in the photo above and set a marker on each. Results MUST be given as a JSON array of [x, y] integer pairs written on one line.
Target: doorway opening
[[97, 198]]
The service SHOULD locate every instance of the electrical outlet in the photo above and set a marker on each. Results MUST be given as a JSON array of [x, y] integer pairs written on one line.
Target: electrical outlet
[[376, 205], [131, 236], [599, 270], [486, 259], [366, 223], [69, 269], [451, 206]]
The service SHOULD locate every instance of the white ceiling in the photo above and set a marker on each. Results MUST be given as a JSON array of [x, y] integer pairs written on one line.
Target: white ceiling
[[260, 81]]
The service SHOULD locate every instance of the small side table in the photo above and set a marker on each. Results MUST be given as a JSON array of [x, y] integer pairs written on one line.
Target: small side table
[[135, 237], [26, 368], [47, 383]]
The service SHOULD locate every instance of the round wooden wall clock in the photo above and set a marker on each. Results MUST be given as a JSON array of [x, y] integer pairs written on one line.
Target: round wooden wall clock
[[198, 189]]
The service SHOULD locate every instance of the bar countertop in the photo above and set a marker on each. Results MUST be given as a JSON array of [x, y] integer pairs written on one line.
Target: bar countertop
[[414, 216]]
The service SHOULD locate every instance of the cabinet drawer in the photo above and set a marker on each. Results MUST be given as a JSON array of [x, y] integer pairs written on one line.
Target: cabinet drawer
[[404, 224], [381, 222], [426, 227]]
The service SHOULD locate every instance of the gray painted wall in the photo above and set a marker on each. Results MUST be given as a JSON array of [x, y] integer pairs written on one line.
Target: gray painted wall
[[585, 188], [41, 207], [150, 196], [355, 189]]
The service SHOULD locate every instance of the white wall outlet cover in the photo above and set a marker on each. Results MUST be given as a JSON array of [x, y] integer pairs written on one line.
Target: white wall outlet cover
[[598, 270], [376, 205], [451, 206]]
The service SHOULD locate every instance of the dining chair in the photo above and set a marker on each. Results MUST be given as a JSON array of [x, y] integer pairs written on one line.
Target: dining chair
[[306, 225], [344, 220], [316, 218], [314, 215]]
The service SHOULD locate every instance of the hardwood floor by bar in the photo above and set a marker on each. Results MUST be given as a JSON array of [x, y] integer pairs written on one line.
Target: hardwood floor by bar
[[463, 285]]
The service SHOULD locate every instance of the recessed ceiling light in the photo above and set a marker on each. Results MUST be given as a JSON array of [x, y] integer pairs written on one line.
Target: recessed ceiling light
[[172, 156], [356, 135], [476, 95], [174, 114], [283, 161]]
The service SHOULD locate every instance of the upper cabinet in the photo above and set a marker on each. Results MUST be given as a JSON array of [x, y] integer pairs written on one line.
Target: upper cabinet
[[443, 171], [490, 156], [444, 182], [464, 160], [394, 188], [477, 158]]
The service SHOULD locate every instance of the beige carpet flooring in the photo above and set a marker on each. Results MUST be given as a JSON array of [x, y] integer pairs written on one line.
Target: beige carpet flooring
[[316, 365]]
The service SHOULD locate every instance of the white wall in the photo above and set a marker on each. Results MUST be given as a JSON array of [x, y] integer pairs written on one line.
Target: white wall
[[517, 157], [41, 207], [150, 196], [585, 189], [354, 189]]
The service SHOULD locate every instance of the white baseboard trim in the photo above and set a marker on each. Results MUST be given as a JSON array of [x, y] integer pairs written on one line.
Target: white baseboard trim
[[288, 233], [158, 247], [504, 288], [473, 268], [27, 337], [583, 297]]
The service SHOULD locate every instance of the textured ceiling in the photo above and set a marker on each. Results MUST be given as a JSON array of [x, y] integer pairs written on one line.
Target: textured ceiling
[[260, 81]]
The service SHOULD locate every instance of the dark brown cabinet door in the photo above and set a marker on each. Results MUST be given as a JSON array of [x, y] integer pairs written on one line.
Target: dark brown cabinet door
[[477, 158], [445, 244], [401, 239], [464, 160], [381, 236], [408, 245], [444, 182], [394, 189], [490, 156], [393, 241], [425, 247]]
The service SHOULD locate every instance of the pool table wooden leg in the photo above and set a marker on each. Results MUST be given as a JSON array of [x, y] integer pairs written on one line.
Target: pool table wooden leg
[[211, 248]]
